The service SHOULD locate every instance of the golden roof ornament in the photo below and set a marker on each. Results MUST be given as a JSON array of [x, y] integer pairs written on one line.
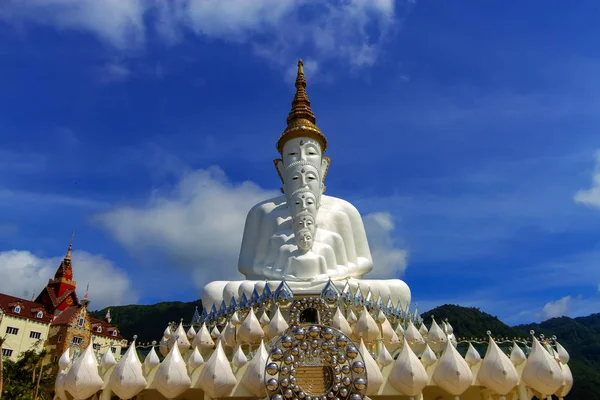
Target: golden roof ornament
[[68, 256], [301, 121]]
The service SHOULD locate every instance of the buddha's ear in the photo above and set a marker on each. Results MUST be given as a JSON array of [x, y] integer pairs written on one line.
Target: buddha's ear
[[278, 162], [325, 162]]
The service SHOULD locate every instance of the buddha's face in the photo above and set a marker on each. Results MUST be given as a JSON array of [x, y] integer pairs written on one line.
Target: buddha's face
[[304, 230], [302, 149], [303, 176], [303, 200]]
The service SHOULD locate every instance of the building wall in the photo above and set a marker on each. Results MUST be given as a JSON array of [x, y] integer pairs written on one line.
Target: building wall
[[103, 343], [75, 331], [22, 341], [56, 343]]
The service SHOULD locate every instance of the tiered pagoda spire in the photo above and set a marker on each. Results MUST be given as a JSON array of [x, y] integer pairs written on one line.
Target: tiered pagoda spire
[[64, 273], [301, 121], [59, 293]]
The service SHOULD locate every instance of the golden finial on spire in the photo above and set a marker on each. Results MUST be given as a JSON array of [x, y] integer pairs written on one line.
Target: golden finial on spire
[[68, 256], [301, 121]]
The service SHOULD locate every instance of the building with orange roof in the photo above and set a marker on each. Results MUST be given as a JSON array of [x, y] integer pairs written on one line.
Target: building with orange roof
[[56, 321]]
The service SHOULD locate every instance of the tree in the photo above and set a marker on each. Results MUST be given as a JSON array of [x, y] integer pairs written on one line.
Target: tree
[[29, 378]]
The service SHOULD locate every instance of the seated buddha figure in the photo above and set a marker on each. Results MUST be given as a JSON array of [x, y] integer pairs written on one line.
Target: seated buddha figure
[[340, 226], [303, 236]]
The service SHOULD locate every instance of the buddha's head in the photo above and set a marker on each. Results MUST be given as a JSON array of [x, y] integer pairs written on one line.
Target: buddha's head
[[305, 227], [303, 199], [302, 175]]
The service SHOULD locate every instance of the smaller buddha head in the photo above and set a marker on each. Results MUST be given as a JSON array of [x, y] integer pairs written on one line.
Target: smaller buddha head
[[303, 199], [301, 174], [305, 227]]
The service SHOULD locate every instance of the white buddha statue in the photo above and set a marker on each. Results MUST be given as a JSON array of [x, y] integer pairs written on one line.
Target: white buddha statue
[[303, 236]]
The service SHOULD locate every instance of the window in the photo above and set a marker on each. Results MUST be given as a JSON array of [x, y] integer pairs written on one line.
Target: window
[[99, 329], [77, 340], [12, 330], [59, 339], [35, 335], [40, 314], [54, 358], [114, 333], [96, 346], [113, 349], [80, 322], [6, 352], [18, 309]]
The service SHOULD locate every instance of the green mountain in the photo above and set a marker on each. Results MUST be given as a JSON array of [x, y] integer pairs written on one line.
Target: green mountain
[[148, 322], [580, 336]]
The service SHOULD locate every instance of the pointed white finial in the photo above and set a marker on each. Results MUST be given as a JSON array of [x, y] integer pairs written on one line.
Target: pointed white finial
[[373, 373], [108, 360], [452, 372], [171, 378], [203, 340], [250, 331], [264, 319], [497, 373], [366, 327], [516, 355], [436, 338], [254, 377], [191, 333], [65, 360], [277, 326], [217, 378], [83, 379], [239, 358], [151, 360], [408, 375], [340, 323], [195, 360], [472, 357], [127, 379], [384, 358], [428, 357], [541, 371]]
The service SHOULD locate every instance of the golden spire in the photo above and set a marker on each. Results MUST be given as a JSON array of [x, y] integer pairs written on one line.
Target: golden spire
[[301, 120], [68, 256]]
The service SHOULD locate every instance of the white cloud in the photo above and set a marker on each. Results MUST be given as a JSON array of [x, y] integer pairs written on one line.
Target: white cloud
[[118, 22], [389, 261], [558, 308], [23, 274], [197, 226], [350, 30], [591, 196]]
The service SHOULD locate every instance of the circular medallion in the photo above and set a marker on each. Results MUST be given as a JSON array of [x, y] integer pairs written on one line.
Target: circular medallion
[[315, 362]]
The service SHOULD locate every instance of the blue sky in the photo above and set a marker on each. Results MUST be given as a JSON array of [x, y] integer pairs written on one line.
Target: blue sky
[[464, 132]]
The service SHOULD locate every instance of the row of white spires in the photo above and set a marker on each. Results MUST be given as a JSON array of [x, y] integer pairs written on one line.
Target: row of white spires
[[421, 360]]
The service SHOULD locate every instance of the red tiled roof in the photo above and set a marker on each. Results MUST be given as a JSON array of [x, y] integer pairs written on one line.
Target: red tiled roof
[[65, 317], [107, 329], [29, 309]]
